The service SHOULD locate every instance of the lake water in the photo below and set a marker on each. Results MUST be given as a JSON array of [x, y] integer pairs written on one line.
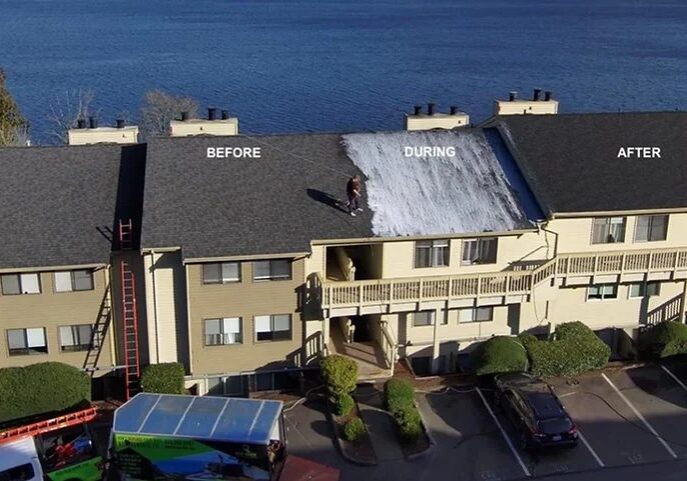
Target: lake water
[[285, 66]]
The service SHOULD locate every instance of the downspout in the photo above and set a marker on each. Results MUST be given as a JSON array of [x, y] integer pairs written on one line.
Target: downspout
[[157, 338], [541, 227]]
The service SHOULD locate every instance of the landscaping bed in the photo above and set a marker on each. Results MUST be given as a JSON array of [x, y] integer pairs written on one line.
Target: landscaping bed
[[360, 450]]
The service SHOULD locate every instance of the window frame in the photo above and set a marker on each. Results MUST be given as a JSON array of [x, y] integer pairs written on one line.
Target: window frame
[[650, 228], [92, 341], [26, 350], [433, 246], [481, 241], [72, 280], [474, 316], [222, 332], [644, 289], [20, 283], [430, 321], [607, 230], [271, 276], [221, 280], [272, 330], [603, 296]]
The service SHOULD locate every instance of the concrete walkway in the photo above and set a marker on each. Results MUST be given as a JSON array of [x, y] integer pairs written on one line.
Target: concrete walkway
[[380, 425]]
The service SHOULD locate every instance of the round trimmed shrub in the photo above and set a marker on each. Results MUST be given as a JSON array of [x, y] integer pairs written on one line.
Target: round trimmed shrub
[[164, 378], [344, 404], [409, 425], [340, 373], [499, 354], [398, 394], [353, 430], [663, 340]]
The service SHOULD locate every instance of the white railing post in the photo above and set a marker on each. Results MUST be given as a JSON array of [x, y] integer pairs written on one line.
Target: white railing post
[[419, 298]]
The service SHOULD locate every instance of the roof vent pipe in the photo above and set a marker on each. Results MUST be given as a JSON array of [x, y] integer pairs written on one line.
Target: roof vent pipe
[[513, 95], [537, 93], [212, 113], [547, 95], [454, 110], [417, 110], [184, 115], [81, 123], [92, 122], [120, 123], [430, 109], [225, 115]]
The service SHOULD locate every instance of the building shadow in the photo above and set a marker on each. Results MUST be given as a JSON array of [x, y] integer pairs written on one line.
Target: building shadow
[[326, 199]]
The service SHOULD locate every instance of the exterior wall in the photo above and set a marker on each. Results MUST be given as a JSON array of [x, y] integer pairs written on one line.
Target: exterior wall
[[245, 299], [110, 135], [186, 128], [437, 121], [530, 107], [50, 310], [575, 235]]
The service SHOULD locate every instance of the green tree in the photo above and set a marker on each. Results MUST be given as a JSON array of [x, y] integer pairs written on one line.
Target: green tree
[[12, 123]]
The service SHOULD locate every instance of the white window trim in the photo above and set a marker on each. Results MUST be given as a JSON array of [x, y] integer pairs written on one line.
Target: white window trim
[[221, 319], [432, 319], [271, 320], [603, 299], [270, 277], [21, 284], [634, 234], [432, 255], [71, 279], [463, 243], [629, 290], [222, 280]]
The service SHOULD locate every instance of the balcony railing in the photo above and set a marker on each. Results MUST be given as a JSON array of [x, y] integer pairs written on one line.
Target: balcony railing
[[504, 283]]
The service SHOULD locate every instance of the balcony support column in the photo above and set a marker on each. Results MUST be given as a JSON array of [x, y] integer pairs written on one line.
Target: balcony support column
[[436, 345]]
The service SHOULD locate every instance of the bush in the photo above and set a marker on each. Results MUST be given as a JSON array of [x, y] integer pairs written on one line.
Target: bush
[[574, 349], [353, 429], [663, 340], [409, 424], [344, 404], [165, 378], [340, 374], [499, 354], [398, 395], [41, 388]]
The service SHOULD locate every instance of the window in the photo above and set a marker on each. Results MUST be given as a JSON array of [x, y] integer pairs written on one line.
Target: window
[[651, 228], [602, 291], [76, 338], [278, 269], [18, 473], [223, 331], [475, 314], [608, 230], [221, 273], [645, 289], [26, 341], [273, 328], [479, 251], [423, 318], [20, 284], [68, 281], [434, 253]]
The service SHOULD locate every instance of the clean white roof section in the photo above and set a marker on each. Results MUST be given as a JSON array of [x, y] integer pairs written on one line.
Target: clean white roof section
[[465, 193]]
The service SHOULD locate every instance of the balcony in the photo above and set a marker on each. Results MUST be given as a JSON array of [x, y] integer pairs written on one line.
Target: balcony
[[466, 290]]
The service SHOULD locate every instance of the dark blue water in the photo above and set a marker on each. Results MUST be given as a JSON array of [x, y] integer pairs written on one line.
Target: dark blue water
[[343, 65]]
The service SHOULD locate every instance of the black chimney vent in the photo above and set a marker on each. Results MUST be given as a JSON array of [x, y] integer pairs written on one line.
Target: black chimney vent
[[513, 95], [547, 95], [212, 113], [417, 110], [120, 123], [184, 115], [225, 115], [92, 122], [81, 123], [454, 110], [537, 93], [430, 109]]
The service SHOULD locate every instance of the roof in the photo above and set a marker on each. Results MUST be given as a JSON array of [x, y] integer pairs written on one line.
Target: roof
[[58, 204], [295, 192], [572, 163], [206, 418]]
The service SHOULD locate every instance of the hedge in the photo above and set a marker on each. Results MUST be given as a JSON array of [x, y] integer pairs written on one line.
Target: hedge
[[409, 424], [344, 404], [574, 349], [499, 354], [353, 429], [399, 397], [41, 388], [165, 378], [340, 373], [663, 340]]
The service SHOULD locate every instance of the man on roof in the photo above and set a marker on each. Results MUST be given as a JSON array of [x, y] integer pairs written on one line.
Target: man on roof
[[353, 191]]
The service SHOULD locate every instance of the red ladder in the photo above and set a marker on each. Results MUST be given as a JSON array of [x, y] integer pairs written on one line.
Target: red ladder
[[47, 425], [130, 321]]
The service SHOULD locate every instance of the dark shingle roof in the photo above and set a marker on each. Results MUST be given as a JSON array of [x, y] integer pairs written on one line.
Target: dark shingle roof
[[571, 160], [58, 204], [221, 207]]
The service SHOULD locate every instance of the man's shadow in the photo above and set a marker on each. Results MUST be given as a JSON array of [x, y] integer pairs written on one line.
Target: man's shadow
[[327, 199]]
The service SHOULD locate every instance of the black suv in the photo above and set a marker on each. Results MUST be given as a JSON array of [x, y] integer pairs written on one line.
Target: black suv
[[535, 411]]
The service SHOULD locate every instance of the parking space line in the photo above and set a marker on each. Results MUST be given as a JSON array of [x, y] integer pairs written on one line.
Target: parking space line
[[675, 378], [589, 447], [641, 418], [503, 432]]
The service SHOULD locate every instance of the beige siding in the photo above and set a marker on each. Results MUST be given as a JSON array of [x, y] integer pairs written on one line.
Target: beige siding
[[50, 310], [244, 299]]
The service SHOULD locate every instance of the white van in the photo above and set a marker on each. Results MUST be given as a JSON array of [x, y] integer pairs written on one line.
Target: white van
[[19, 461]]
